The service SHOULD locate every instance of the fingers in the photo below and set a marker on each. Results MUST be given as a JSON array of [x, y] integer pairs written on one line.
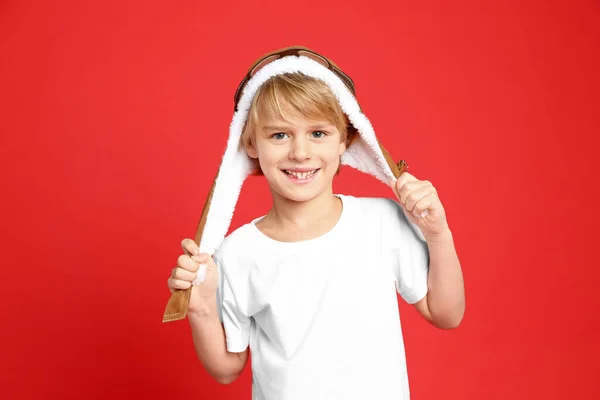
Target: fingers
[[421, 207], [404, 178], [175, 284], [184, 274], [190, 266], [414, 192], [405, 184], [187, 266], [189, 247], [416, 196], [187, 263]]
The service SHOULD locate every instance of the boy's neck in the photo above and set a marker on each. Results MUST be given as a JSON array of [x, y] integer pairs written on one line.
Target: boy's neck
[[307, 219]]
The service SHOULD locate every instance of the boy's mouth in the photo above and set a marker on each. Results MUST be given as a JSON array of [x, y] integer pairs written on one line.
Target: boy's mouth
[[300, 175]]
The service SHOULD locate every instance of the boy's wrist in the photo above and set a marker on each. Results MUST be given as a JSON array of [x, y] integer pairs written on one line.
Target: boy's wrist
[[203, 310], [442, 237]]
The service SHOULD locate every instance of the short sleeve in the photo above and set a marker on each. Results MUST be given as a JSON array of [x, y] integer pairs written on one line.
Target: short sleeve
[[409, 252], [236, 324]]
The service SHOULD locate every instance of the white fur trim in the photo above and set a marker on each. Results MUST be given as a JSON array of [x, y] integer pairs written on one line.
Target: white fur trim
[[364, 154]]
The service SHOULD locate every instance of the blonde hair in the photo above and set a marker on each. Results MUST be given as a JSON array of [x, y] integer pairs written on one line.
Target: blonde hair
[[309, 97]]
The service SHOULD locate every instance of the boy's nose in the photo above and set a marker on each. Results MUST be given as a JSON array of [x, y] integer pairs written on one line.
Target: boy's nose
[[300, 149]]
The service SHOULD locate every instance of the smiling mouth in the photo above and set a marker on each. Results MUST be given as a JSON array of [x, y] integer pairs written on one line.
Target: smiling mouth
[[301, 175]]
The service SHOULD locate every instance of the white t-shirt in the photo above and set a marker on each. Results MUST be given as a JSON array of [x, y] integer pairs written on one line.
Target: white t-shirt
[[321, 315]]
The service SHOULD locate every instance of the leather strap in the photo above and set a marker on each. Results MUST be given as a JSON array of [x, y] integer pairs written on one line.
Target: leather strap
[[177, 306]]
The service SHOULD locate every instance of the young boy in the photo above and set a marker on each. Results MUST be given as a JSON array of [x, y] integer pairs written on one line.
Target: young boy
[[310, 288]]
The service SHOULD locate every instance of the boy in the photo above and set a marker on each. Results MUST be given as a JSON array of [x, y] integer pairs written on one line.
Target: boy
[[310, 287]]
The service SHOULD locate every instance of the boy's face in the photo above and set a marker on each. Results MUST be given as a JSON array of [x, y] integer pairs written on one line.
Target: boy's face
[[298, 157]]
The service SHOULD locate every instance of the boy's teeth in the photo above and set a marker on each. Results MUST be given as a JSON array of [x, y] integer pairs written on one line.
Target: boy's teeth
[[300, 175]]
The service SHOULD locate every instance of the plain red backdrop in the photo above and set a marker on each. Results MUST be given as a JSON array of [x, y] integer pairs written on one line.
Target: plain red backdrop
[[114, 116]]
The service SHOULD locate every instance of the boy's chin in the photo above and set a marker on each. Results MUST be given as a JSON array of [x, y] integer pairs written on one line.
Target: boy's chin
[[298, 197], [297, 193]]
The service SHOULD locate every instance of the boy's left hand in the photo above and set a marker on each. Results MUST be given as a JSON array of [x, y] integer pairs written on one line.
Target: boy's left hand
[[421, 204]]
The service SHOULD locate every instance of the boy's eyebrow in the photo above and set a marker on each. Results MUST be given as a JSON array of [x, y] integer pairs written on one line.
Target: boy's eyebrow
[[284, 128], [274, 128]]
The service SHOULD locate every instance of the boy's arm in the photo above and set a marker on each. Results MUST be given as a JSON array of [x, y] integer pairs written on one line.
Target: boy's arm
[[209, 340], [444, 303]]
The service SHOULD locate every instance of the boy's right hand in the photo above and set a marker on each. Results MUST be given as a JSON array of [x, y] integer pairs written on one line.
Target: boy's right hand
[[182, 276]]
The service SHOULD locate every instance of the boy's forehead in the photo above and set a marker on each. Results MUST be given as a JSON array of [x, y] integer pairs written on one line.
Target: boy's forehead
[[273, 121], [290, 116]]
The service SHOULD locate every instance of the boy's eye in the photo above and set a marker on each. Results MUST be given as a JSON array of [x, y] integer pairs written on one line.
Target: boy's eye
[[278, 136], [318, 134]]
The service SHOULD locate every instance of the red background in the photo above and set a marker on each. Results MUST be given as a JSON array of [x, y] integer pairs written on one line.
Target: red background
[[114, 116]]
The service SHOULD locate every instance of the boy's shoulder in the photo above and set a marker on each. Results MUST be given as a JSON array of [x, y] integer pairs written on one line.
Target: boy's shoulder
[[369, 204], [386, 214], [239, 240], [382, 201]]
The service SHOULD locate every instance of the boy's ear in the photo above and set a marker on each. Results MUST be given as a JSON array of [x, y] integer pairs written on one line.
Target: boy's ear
[[251, 150], [351, 134], [342, 147]]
